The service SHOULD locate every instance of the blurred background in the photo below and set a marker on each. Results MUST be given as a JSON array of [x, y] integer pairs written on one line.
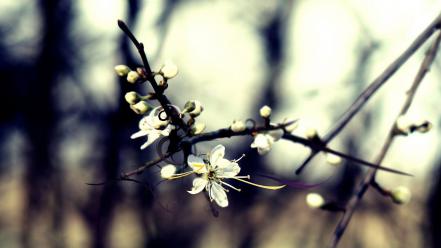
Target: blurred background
[[64, 122]]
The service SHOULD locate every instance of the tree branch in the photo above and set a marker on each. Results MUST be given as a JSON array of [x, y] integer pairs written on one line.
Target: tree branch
[[374, 86], [370, 176]]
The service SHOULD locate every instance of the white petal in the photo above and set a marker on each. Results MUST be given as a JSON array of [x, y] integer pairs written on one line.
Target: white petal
[[226, 168], [216, 153], [261, 141], [276, 134], [263, 150], [197, 164], [199, 184], [167, 130], [217, 193], [138, 134], [151, 138]]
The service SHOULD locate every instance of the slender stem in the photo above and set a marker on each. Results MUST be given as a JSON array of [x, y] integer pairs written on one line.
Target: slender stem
[[370, 176], [162, 99], [374, 86], [141, 169]]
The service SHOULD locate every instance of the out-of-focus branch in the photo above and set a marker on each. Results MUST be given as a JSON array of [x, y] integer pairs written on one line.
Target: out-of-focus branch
[[374, 86], [370, 176]]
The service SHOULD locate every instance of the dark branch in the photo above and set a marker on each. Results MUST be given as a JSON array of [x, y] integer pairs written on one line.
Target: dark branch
[[375, 85], [370, 177]]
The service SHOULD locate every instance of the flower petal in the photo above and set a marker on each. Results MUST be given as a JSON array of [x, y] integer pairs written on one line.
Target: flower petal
[[199, 184], [151, 138], [216, 153], [217, 193], [138, 134], [197, 164], [276, 134], [226, 168]]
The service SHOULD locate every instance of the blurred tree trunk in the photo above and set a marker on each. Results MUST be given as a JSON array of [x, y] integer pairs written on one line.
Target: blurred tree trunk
[[42, 178], [273, 38], [433, 211]]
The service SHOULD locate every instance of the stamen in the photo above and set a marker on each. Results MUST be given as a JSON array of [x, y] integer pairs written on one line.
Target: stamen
[[241, 157], [259, 185], [180, 175], [231, 186]]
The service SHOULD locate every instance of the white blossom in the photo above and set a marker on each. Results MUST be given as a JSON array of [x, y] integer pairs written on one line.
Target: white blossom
[[153, 127], [264, 141], [213, 172]]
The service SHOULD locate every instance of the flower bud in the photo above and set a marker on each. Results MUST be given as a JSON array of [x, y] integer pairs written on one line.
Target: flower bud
[[132, 77], [168, 171], [132, 97], [140, 107], [198, 128], [314, 200], [160, 80], [122, 70], [238, 126], [193, 107], [401, 195], [403, 124], [265, 111], [311, 133], [169, 70], [333, 159], [423, 126]]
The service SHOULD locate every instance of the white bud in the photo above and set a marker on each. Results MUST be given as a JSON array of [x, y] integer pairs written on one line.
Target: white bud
[[333, 159], [265, 111], [132, 97], [198, 128], [238, 126], [122, 70], [193, 107], [401, 195], [140, 107], [291, 127], [169, 70], [403, 124], [314, 200], [311, 133], [132, 77], [160, 80], [168, 171], [423, 126]]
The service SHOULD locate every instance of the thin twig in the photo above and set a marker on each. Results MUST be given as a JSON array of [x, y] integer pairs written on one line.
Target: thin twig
[[370, 176], [162, 99], [318, 146], [141, 169], [374, 86]]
